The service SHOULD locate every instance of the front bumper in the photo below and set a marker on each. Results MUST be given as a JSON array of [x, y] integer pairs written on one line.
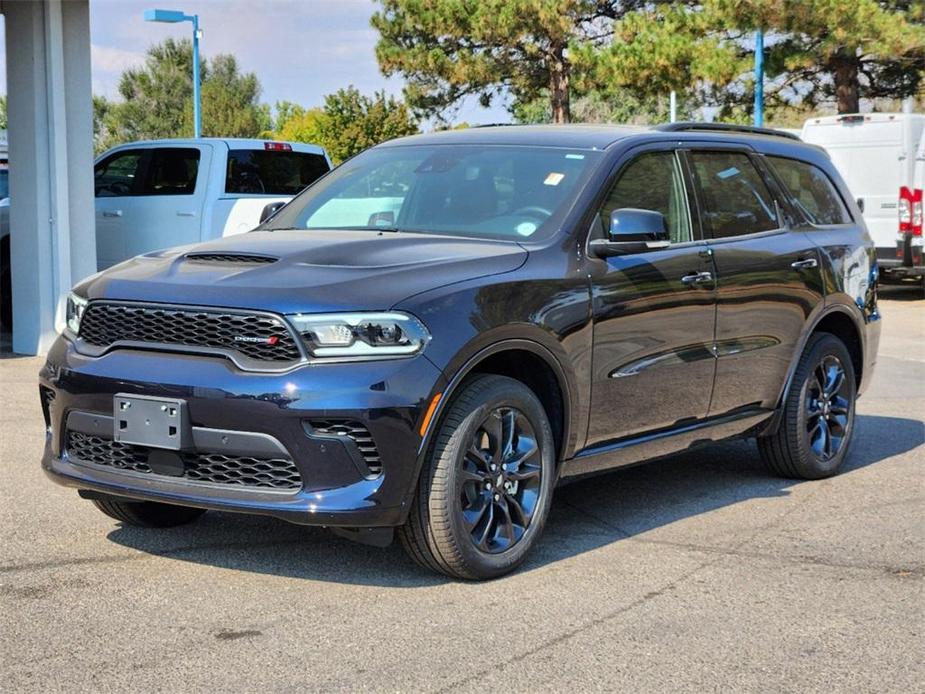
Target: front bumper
[[248, 412]]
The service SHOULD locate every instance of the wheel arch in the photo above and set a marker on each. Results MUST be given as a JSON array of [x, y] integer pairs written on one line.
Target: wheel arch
[[532, 364], [836, 320]]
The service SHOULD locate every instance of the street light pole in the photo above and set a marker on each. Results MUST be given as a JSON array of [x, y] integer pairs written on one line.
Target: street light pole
[[172, 17], [197, 107]]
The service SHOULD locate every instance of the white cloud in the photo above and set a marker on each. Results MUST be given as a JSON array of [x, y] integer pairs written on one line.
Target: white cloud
[[108, 59]]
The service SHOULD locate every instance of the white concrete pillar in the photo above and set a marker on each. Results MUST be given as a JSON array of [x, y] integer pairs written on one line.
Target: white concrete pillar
[[50, 111]]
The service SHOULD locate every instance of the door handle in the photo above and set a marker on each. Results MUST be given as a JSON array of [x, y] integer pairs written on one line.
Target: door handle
[[112, 213], [181, 213], [805, 264], [697, 278]]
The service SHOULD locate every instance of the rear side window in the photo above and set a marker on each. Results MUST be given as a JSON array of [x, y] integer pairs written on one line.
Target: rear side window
[[171, 171], [267, 172], [117, 174], [812, 190], [734, 197]]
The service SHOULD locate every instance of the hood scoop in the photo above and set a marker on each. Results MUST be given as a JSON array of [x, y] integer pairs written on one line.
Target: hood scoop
[[230, 258]]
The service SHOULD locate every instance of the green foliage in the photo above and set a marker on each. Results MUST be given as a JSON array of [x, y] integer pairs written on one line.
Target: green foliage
[[3, 119], [157, 99], [816, 50], [624, 106], [348, 123], [448, 50]]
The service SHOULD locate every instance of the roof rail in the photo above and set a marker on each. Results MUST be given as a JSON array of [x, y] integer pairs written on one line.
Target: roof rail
[[688, 126]]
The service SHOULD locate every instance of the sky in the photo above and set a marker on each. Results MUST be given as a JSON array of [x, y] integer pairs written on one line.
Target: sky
[[300, 50]]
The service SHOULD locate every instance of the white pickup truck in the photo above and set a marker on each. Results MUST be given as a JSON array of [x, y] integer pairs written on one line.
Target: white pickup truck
[[162, 193]]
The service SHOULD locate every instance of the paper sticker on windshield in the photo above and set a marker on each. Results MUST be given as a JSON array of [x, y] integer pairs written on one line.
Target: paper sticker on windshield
[[727, 173], [553, 179]]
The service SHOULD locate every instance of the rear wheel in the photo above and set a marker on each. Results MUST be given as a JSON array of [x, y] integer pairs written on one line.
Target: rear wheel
[[486, 487], [818, 419], [147, 514]]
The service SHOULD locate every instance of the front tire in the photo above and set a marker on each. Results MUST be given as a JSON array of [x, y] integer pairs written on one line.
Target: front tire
[[818, 418], [486, 487], [147, 514]]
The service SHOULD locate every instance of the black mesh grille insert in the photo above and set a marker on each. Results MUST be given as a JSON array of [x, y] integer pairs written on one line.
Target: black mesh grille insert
[[260, 337], [356, 431], [240, 258], [213, 468]]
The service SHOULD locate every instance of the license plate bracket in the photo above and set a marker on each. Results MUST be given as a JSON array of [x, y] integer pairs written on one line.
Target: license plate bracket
[[143, 420]]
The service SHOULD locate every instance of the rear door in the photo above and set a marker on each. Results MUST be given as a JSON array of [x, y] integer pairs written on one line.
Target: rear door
[[653, 312], [768, 276]]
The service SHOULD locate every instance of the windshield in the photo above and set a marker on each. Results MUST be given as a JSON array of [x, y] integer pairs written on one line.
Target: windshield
[[468, 190]]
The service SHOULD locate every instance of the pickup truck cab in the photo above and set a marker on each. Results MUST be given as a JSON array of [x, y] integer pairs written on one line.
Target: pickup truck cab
[[162, 193]]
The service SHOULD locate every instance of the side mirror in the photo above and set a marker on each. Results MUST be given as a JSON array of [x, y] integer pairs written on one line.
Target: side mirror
[[270, 210], [861, 205], [633, 231]]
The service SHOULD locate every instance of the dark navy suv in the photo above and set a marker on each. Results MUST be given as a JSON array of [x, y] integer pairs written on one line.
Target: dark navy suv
[[439, 331]]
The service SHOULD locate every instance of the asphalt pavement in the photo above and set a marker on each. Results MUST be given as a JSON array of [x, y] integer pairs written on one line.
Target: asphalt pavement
[[698, 573]]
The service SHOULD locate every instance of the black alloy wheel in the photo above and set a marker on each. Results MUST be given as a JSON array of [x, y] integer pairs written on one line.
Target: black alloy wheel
[[817, 420], [828, 405], [486, 483], [502, 478]]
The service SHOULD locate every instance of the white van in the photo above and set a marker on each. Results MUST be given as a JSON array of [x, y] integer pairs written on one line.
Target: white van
[[162, 193], [875, 154], [910, 244]]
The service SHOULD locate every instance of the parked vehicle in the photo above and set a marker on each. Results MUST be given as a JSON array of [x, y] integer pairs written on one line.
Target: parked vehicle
[[909, 243], [442, 329], [875, 154], [163, 193]]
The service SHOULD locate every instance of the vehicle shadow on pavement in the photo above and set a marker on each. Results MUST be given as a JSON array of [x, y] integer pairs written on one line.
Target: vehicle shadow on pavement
[[902, 292], [586, 515]]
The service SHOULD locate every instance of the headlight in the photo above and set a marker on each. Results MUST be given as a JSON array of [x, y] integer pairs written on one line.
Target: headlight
[[365, 335], [75, 310]]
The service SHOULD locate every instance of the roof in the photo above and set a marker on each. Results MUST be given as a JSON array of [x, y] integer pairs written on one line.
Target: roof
[[572, 136], [230, 142], [587, 136]]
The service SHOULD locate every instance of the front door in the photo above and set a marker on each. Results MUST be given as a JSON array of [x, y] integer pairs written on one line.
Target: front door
[[148, 199], [768, 278], [653, 313]]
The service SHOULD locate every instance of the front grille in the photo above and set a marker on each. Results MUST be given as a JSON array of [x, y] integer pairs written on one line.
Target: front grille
[[356, 431], [240, 258], [198, 466], [259, 337]]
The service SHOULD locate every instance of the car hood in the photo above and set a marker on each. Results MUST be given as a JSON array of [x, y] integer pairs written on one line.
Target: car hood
[[311, 271]]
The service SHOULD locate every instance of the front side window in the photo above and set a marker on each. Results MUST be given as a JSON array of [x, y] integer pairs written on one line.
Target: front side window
[[490, 191], [117, 174], [812, 191], [653, 181], [734, 197], [171, 171], [272, 172]]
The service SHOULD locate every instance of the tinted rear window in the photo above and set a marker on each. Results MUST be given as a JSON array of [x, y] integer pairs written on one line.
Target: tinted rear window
[[261, 172], [812, 190]]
